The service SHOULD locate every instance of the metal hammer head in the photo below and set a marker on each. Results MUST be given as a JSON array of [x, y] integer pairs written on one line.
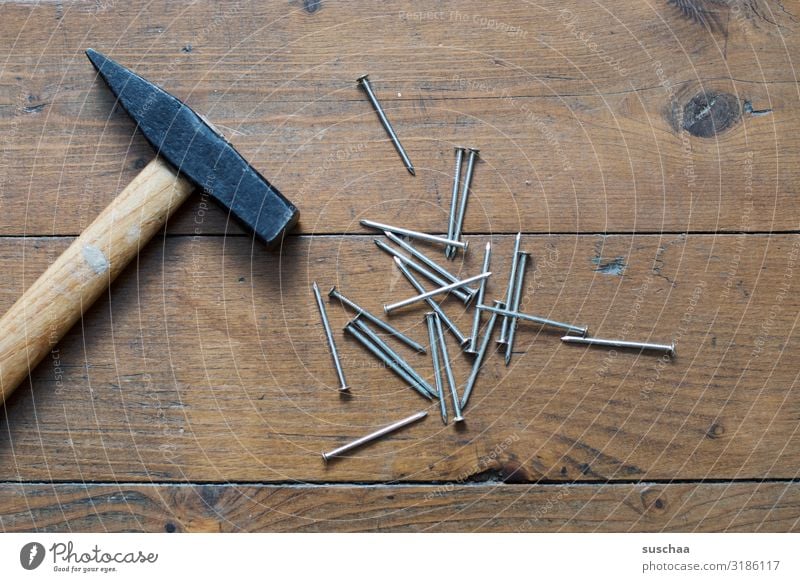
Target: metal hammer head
[[199, 152]]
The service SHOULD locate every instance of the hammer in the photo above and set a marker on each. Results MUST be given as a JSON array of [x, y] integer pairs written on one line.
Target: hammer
[[191, 154]]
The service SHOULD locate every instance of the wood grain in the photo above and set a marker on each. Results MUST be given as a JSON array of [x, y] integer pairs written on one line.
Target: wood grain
[[56, 301], [487, 507], [208, 363], [576, 115], [623, 138]]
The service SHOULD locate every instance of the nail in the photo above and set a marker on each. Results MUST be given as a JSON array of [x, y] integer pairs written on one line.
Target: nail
[[343, 387], [476, 317], [414, 234], [433, 292], [512, 277], [394, 356], [462, 209], [433, 305], [437, 371], [363, 81], [374, 435], [668, 349], [334, 294], [451, 221], [522, 259], [423, 258], [524, 316], [378, 353], [476, 366], [435, 279], [448, 371]]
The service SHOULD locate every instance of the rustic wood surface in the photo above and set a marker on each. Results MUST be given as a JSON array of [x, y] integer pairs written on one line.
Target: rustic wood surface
[[649, 160], [571, 143], [763, 507], [52, 305]]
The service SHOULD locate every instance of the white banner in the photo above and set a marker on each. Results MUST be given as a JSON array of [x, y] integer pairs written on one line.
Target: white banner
[[408, 557]]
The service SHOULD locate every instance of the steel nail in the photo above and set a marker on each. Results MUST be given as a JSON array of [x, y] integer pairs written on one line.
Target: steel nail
[[478, 363], [395, 357], [414, 234], [427, 261], [476, 317], [388, 308], [462, 209], [374, 435], [363, 81], [381, 355], [518, 287], [448, 370], [668, 349], [536, 319], [335, 294], [437, 371], [451, 221], [343, 387], [512, 277], [462, 294], [462, 340]]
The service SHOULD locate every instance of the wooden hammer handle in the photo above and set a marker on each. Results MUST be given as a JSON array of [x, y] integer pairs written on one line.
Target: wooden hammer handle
[[52, 305]]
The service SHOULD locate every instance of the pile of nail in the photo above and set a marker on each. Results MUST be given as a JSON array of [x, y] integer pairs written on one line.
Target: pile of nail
[[364, 325]]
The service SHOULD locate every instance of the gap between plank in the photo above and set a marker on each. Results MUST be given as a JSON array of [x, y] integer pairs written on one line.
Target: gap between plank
[[407, 484], [364, 234]]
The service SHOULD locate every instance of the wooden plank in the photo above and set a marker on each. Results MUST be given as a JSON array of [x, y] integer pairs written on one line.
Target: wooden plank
[[208, 363], [490, 507], [575, 113]]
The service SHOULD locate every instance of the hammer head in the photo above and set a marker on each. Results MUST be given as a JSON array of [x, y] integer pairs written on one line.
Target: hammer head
[[199, 152]]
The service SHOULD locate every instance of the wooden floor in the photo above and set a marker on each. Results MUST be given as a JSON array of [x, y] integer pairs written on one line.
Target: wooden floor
[[649, 158]]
